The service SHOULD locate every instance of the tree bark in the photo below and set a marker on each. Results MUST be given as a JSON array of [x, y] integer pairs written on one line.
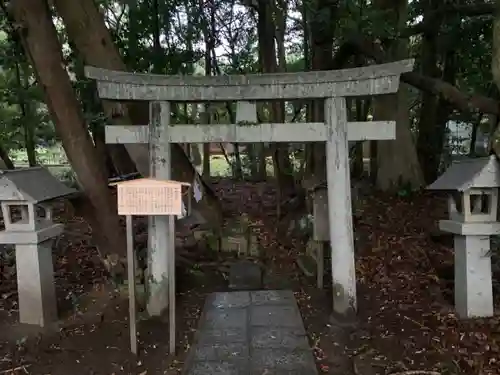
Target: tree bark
[[267, 34], [280, 10], [117, 158], [86, 28], [495, 68], [322, 23], [39, 39], [397, 160], [428, 143], [4, 155], [445, 108], [26, 116], [495, 62]]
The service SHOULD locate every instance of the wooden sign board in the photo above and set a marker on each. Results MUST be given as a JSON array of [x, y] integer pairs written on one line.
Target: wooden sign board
[[147, 196]]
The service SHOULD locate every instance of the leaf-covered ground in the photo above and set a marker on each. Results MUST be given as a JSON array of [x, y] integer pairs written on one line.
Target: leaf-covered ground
[[406, 320]]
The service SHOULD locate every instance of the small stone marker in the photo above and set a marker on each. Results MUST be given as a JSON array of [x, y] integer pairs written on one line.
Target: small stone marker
[[473, 185], [240, 238], [30, 191], [147, 196]]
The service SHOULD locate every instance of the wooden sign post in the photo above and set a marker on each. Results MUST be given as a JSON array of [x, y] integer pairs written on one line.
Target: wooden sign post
[[145, 197]]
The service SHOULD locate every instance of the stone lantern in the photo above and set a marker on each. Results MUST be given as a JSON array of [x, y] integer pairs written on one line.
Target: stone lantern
[[26, 197], [473, 186]]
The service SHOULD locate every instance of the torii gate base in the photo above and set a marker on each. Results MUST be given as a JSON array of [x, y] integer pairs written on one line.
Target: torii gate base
[[332, 86]]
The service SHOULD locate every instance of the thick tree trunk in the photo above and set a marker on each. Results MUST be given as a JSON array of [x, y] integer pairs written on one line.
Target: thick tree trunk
[[115, 154], [397, 163], [445, 108], [396, 160], [322, 23], [86, 28], [434, 111], [495, 68], [269, 64], [495, 62], [428, 148], [39, 39]]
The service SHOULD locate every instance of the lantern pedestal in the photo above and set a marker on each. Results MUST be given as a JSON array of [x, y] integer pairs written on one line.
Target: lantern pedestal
[[35, 284], [473, 280], [35, 273]]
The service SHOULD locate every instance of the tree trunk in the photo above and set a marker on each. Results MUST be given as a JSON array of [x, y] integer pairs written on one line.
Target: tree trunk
[[427, 147], [283, 149], [208, 29], [116, 157], [86, 28], [323, 23], [434, 111], [206, 160], [495, 62], [473, 136], [445, 108], [100, 145], [157, 49], [397, 159], [267, 51], [39, 39], [4, 155], [306, 42], [26, 115], [237, 165]]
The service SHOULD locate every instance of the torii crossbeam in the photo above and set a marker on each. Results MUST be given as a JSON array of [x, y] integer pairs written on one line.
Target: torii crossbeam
[[335, 131]]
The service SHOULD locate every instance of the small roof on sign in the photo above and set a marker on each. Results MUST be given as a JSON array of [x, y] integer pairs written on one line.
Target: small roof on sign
[[33, 185], [469, 173], [149, 182]]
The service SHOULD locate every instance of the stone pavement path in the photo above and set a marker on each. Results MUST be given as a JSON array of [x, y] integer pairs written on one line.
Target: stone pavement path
[[251, 333]]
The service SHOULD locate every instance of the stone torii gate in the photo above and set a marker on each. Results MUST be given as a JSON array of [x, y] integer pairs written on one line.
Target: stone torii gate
[[336, 131]]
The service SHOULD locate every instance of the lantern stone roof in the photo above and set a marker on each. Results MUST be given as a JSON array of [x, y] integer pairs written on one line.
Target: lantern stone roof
[[469, 173], [32, 185]]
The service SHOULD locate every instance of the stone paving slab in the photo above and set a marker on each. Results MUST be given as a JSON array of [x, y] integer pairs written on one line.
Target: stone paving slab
[[278, 338], [251, 333]]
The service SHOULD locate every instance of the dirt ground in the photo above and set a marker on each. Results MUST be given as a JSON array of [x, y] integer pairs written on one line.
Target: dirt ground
[[406, 319]]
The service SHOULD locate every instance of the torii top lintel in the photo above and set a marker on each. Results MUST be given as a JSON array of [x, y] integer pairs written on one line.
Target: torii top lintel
[[369, 80]]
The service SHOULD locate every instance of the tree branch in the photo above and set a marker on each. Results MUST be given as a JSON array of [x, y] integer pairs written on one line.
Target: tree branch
[[460, 100], [469, 10]]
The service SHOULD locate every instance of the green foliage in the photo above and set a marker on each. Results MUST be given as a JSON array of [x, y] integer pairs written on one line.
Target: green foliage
[[22, 111], [172, 39]]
